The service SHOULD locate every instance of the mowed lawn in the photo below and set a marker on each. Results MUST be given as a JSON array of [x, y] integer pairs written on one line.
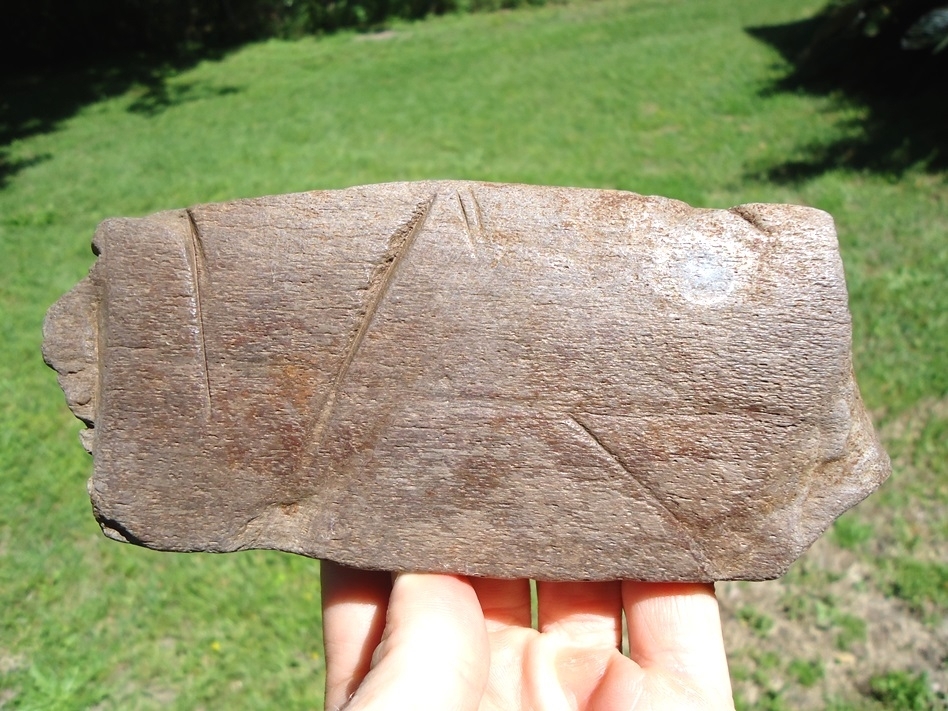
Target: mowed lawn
[[665, 97]]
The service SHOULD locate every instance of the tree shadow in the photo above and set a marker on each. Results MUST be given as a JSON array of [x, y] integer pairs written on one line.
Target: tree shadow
[[902, 97], [38, 101], [163, 95]]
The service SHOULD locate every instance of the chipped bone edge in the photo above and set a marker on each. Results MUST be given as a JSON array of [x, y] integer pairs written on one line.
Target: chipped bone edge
[[71, 348]]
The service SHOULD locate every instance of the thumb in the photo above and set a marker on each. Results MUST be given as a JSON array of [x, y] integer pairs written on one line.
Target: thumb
[[434, 654]]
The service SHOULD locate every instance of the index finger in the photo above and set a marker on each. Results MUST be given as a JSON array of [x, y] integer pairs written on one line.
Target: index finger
[[354, 608]]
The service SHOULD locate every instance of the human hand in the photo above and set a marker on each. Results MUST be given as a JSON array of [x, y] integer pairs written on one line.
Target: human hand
[[450, 643]]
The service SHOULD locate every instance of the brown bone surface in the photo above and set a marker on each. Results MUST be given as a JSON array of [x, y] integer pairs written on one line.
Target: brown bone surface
[[497, 380]]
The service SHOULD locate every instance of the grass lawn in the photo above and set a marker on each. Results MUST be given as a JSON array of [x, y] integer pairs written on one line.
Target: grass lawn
[[668, 97]]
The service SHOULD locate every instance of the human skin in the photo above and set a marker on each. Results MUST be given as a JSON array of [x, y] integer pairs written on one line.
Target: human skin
[[451, 643]]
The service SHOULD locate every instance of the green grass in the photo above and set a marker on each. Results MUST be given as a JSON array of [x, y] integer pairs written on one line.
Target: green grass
[[806, 672], [760, 623], [924, 586], [903, 691], [852, 630], [849, 532], [658, 97]]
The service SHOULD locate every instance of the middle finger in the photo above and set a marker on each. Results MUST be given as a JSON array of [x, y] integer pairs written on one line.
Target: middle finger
[[590, 614]]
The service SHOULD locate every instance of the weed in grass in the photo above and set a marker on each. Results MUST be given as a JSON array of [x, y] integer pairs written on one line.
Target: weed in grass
[[807, 575], [824, 612], [740, 672], [850, 533], [767, 665], [768, 700], [760, 623], [772, 700], [903, 691], [930, 449], [795, 606], [852, 631], [806, 672], [835, 703], [924, 586]]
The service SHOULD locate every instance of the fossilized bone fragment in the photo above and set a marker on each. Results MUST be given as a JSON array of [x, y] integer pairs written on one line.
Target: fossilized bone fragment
[[496, 380]]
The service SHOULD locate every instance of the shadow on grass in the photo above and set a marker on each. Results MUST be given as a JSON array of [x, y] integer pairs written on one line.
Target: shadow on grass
[[37, 102], [903, 97], [161, 96]]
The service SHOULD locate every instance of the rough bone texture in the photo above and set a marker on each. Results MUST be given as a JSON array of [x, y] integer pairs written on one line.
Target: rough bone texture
[[497, 380]]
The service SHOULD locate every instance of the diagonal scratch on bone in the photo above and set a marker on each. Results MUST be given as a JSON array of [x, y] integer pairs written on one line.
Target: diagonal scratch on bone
[[399, 245], [472, 216], [703, 563], [198, 262], [751, 218]]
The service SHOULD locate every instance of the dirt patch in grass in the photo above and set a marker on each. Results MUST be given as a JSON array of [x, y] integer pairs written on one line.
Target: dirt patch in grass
[[867, 599], [818, 636], [10, 663]]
